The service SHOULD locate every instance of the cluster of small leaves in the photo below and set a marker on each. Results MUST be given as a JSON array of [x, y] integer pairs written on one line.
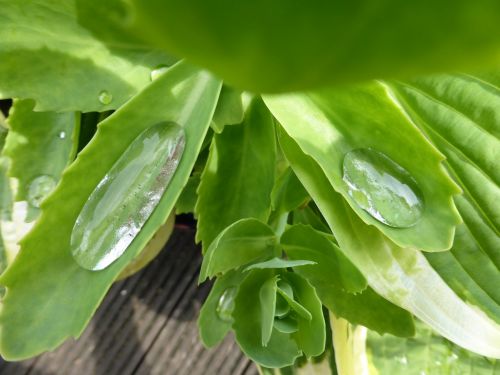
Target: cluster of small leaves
[[261, 173]]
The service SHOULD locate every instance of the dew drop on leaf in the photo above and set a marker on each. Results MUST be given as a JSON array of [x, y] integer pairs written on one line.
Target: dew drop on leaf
[[225, 305], [158, 71], [126, 196], [105, 97], [62, 135], [39, 188], [382, 188]]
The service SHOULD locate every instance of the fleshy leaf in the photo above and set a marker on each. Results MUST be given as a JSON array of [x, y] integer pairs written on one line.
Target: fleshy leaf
[[295, 306], [267, 299], [279, 263], [281, 350], [36, 315], [212, 328], [240, 243], [285, 46], [402, 275], [229, 110], [241, 164], [310, 336], [329, 124], [331, 268], [43, 43], [32, 134], [459, 113]]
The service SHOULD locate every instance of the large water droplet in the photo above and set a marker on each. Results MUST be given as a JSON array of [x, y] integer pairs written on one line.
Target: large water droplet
[[126, 197], [105, 97], [39, 188], [158, 71], [382, 188], [225, 305]]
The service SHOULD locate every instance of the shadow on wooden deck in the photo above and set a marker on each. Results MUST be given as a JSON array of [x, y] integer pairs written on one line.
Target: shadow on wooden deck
[[146, 325]]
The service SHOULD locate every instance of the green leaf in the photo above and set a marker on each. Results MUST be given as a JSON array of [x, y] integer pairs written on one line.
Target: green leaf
[[320, 42], [288, 193], [294, 305], [402, 275], [331, 267], [229, 110], [328, 124], [278, 263], [212, 328], [36, 315], [426, 353], [187, 200], [32, 134], [267, 298], [43, 44], [241, 164], [240, 243], [281, 350], [459, 113], [310, 336]]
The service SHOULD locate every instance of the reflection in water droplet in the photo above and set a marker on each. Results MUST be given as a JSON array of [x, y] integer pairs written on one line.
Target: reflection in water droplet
[[39, 188], [382, 188], [126, 197], [225, 305], [158, 71], [105, 97], [62, 135]]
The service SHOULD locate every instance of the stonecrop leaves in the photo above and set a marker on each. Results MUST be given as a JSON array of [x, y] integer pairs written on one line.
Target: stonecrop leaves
[[49, 296], [329, 125], [373, 203], [47, 56]]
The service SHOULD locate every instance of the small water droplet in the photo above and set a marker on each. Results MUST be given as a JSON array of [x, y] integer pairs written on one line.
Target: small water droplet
[[62, 135], [403, 360], [225, 305], [127, 195], [383, 188], [158, 71], [39, 188], [123, 292], [105, 97]]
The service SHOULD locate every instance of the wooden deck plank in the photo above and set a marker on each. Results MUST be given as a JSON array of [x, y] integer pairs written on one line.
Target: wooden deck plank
[[146, 325]]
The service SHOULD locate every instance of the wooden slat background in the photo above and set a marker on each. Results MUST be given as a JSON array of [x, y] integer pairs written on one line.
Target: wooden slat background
[[146, 325]]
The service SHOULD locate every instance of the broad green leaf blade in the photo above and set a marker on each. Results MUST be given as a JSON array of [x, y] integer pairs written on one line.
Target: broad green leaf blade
[[331, 267], [279, 263], [239, 175], [459, 113], [402, 275], [47, 56], [426, 353], [267, 299], [283, 46], [36, 315], [240, 243], [281, 350], [32, 134], [329, 124], [212, 328], [310, 336]]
